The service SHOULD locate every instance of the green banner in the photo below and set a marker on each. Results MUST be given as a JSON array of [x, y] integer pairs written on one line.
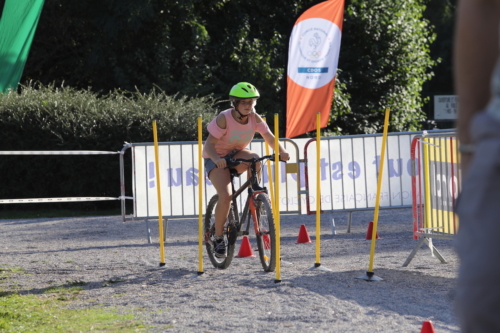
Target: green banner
[[18, 23]]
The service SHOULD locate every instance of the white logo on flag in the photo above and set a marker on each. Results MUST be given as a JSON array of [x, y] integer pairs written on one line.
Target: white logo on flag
[[314, 52]]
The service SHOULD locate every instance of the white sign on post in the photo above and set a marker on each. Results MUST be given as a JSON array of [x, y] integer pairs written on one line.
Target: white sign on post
[[445, 107]]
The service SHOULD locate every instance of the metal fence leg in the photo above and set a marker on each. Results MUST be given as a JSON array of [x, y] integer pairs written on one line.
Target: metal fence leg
[[434, 250], [165, 225], [412, 254], [349, 219], [148, 231], [427, 241], [334, 231]]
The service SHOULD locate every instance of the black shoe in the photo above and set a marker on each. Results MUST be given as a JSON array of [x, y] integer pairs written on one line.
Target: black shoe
[[220, 248]]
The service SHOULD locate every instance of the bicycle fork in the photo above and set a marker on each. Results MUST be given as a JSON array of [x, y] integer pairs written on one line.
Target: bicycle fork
[[253, 211]]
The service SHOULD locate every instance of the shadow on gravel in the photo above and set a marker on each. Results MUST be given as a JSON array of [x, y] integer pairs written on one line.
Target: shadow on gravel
[[110, 247], [411, 293], [354, 245], [162, 276]]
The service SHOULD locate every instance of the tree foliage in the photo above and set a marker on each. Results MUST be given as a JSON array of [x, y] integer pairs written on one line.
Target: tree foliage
[[203, 47], [65, 118], [384, 61], [441, 15]]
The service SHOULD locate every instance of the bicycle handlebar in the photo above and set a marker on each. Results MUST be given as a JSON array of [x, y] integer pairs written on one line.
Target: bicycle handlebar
[[232, 162]]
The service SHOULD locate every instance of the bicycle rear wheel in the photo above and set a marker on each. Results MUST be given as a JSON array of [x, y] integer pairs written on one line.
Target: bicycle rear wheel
[[266, 235], [230, 234]]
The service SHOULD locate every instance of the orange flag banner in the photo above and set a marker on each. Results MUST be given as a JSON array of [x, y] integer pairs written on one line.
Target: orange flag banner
[[313, 57]]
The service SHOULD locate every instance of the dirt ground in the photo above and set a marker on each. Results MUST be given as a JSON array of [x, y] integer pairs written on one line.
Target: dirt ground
[[120, 270]]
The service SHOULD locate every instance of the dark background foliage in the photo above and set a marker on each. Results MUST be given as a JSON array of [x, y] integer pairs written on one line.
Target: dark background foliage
[[99, 72], [202, 47], [441, 15], [61, 119]]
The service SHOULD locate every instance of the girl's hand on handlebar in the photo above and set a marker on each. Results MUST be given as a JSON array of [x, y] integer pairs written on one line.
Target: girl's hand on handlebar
[[221, 163], [284, 156]]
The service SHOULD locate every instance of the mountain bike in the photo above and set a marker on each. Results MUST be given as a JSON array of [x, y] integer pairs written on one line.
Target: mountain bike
[[257, 208]]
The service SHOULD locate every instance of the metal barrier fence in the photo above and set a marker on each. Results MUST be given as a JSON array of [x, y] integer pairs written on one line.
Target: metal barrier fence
[[436, 182], [53, 153], [180, 177], [348, 168]]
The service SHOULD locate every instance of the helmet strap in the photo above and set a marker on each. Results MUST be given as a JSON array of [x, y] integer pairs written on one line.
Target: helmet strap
[[241, 115]]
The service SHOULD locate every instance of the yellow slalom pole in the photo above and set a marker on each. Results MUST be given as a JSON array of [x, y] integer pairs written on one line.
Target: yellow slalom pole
[[270, 175], [369, 274], [160, 215], [317, 265], [200, 196], [318, 191], [276, 209]]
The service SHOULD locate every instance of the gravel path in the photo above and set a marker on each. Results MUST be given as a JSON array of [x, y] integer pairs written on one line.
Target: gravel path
[[122, 271]]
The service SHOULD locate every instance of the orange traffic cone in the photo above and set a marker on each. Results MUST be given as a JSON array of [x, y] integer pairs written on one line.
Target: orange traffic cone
[[303, 235], [245, 249], [369, 232], [427, 327]]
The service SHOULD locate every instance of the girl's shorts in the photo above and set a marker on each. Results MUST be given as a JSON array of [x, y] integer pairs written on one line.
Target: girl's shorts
[[209, 164]]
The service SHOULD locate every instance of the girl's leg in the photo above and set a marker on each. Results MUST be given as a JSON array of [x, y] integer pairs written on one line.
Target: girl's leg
[[221, 179]]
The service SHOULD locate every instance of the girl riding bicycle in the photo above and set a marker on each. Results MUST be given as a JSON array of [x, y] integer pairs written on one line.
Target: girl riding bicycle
[[229, 135]]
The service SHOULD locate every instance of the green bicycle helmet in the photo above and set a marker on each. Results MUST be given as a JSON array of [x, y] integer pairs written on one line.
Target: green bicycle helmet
[[243, 90]]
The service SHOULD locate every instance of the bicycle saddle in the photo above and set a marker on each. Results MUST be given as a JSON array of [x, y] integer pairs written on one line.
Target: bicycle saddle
[[231, 162]]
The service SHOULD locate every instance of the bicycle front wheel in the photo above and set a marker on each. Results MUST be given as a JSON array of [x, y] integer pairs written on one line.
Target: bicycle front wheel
[[266, 233], [230, 234]]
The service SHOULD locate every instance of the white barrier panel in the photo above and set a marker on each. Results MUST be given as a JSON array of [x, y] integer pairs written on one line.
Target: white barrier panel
[[180, 177], [348, 167]]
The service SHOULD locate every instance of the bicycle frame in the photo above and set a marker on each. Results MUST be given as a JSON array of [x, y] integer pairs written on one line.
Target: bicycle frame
[[249, 204]]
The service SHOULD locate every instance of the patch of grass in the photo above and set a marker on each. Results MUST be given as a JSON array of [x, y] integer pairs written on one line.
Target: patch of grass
[[66, 292], [22, 314], [62, 290], [7, 273], [13, 270], [69, 262], [16, 287], [4, 292], [76, 283]]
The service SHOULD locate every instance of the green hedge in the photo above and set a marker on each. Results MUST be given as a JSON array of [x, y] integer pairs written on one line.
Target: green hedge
[[62, 118]]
